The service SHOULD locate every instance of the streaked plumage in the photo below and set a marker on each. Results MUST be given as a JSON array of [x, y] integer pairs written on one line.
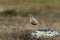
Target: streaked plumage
[[33, 21], [44, 32]]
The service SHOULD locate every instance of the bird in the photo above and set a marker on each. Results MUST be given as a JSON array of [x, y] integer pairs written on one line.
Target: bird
[[33, 21]]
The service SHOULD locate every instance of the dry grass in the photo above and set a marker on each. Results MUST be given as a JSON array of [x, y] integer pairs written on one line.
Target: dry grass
[[12, 28], [18, 27]]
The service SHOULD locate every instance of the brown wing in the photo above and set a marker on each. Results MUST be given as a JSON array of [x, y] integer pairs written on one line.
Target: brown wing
[[34, 23]]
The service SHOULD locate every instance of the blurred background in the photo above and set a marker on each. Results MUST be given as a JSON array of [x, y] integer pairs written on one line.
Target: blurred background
[[14, 20]]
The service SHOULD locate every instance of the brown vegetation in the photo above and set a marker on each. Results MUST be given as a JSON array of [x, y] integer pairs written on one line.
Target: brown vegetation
[[19, 28]]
